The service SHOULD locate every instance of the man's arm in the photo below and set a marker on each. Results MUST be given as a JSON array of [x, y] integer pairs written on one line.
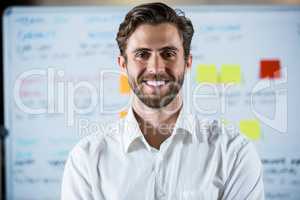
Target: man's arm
[[75, 183], [245, 181]]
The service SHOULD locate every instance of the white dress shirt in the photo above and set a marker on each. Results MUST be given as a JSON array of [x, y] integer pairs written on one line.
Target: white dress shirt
[[199, 161]]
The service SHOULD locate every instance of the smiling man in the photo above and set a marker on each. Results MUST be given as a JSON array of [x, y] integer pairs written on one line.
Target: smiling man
[[159, 151]]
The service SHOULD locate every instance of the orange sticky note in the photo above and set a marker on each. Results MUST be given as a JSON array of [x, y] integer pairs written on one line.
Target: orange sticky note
[[122, 114], [124, 85]]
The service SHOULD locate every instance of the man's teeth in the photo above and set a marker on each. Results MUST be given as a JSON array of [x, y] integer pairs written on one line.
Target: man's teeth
[[156, 83]]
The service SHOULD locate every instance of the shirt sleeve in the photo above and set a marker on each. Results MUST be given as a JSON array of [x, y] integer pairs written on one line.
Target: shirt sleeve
[[75, 183], [244, 180]]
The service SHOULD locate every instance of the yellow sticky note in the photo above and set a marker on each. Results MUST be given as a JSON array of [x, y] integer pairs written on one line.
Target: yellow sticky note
[[124, 85], [122, 114], [207, 74], [225, 121], [230, 74], [251, 128]]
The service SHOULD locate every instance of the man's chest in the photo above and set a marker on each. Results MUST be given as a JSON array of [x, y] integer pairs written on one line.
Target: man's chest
[[182, 175]]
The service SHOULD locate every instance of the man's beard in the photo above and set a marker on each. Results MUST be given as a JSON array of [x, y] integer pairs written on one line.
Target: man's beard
[[158, 99]]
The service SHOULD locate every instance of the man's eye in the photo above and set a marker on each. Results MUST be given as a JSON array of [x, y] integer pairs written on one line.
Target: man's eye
[[168, 54], [142, 54]]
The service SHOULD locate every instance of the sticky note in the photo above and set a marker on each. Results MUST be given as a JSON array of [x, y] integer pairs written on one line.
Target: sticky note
[[269, 69], [124, 85], [251, 128], [230, 74], [122, 114], [224, 121], [206, 74]]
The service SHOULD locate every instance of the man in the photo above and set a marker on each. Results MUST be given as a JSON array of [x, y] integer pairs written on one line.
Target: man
[[159, 151]]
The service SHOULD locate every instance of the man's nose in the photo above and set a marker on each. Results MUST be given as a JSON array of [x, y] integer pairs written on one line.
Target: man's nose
[[156, 64]]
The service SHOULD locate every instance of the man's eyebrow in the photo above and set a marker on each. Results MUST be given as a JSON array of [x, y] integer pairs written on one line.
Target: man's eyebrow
[[161, 49], [169, 48], [141, 49]]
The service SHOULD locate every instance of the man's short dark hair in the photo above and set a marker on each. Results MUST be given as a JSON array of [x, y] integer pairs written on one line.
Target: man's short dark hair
[[155, 13]]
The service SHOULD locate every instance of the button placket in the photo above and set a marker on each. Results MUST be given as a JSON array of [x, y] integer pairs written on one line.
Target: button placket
[[160, 194]]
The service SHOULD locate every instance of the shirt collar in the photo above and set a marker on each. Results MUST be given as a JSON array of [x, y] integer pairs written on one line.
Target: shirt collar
[[131, 129], [132, 135]]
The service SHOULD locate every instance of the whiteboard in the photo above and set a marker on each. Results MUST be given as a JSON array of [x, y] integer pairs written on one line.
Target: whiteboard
[[62, 82]]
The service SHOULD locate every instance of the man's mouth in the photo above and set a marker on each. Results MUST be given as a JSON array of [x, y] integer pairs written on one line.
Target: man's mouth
[[156, 83]]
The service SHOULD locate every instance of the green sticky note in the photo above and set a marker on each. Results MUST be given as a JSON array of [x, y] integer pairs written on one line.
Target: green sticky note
[[251, 128], [230, 74], [207, 74]]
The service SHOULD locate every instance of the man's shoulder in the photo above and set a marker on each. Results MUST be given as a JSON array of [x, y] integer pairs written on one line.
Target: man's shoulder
[[216, 132], [96, 142], [226, 141]]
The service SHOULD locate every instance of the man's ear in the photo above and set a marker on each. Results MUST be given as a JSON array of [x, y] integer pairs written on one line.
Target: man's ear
[[189, 61], [122, 63]]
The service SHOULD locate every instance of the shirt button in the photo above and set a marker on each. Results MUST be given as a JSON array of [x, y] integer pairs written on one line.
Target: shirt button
[[160, 159]]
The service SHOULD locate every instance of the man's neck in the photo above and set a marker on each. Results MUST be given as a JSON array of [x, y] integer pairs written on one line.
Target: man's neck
[[157, 124]]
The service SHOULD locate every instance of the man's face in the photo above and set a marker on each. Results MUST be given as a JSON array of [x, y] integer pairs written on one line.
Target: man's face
[[155, 63]]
